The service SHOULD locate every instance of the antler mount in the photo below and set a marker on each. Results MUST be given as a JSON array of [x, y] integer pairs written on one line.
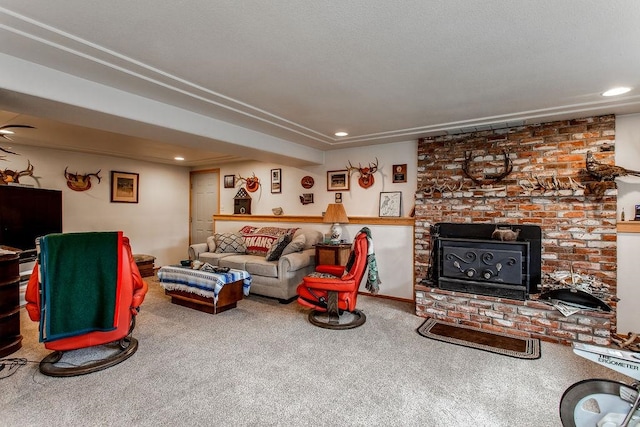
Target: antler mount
[[488, 178]]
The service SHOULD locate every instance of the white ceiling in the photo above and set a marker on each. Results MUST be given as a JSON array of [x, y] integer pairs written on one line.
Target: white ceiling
[[290, 73]]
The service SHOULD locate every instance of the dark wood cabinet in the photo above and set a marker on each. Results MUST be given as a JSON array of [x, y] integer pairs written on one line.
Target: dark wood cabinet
[[10, 338], [327, 254]]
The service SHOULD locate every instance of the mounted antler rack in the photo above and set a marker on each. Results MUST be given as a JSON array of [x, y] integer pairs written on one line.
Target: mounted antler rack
[[487, 179], [251, 183], [365, 179]]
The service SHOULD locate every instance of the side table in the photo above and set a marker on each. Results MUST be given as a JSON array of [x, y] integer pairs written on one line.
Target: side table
[[145, 264], [332, 254]]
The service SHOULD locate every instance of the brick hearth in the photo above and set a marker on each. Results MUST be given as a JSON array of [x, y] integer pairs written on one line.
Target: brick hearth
[[578, 224]]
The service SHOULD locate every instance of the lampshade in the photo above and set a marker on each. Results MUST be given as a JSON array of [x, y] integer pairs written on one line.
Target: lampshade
[[335, 214]]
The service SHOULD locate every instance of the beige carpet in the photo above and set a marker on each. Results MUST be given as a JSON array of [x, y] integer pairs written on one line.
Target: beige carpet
[[263, 364]]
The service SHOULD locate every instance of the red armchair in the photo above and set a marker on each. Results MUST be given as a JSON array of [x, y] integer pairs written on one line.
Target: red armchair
[[332, 290], [69, 292]]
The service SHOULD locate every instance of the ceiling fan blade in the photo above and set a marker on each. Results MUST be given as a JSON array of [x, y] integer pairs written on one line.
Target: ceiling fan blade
[[16, 126]]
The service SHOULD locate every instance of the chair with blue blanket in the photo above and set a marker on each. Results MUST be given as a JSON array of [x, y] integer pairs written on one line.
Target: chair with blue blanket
[[85, 290]]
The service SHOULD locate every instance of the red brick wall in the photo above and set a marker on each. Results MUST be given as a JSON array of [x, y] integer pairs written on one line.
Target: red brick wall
[[578, 224]]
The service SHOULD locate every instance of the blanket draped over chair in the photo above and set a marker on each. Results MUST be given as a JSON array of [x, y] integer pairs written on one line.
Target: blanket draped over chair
[[84, 271], [373, 281]]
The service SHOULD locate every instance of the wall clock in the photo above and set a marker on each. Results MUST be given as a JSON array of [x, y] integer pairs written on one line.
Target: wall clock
[[307, 182]]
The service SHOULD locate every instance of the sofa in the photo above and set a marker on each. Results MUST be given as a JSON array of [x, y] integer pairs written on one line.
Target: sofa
[[277, 258]]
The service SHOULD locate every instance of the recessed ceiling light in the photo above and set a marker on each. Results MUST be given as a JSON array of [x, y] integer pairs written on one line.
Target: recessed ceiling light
[[341, 134], [616, 91], [178, 158]]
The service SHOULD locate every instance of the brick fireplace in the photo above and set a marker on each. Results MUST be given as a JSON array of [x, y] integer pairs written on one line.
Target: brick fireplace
[[547, 187]]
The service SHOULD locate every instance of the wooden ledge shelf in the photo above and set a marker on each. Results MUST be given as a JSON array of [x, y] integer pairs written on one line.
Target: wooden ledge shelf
[[628, 226], [366, 220]]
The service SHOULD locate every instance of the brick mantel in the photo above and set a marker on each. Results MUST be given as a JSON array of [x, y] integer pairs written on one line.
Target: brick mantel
[[548, 187]]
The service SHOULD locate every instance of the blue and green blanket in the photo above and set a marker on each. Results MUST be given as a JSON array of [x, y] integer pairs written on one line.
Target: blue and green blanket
[[79, 283]]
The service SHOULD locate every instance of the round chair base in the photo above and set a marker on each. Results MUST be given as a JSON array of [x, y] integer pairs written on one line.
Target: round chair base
[[347, 320], [50, 366]]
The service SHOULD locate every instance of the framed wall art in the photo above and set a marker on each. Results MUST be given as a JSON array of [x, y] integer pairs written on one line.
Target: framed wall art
[[338, 180], [400, 173], [124, 187], [390, 203], [229, 181], [276, 180], [338, 198], [306, 198]]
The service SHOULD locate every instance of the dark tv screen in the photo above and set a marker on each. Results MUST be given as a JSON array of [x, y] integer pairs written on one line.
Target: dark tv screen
[[27, 213]]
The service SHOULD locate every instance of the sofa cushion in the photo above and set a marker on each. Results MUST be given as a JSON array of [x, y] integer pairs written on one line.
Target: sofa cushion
[[296, 245], [312, 237], [254, 264], [212, 258], [258, 266], [274, 252], [211, 243], [229, 243]]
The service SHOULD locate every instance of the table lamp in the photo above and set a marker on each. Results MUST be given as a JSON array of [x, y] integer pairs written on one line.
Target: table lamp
[[335, 215]]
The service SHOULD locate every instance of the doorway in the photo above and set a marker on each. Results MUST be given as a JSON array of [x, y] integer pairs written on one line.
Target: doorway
[[205, 202]]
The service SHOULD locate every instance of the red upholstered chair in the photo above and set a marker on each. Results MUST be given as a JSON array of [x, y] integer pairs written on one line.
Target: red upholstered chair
[[85, 290], [332, 290]]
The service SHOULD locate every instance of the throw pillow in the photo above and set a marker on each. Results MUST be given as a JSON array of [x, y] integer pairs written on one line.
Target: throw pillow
[[296, 245], [229, 243], [258, 244], [258, 241], [211, 243], [274, 252]]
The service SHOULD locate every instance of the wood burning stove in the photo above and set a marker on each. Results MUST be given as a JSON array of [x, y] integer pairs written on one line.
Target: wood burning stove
[[466, 259]]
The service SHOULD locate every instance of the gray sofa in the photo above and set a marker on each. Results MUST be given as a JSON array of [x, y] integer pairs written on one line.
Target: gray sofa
[[277, 279]]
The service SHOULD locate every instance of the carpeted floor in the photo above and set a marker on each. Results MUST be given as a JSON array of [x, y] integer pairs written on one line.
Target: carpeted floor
[[264, 364]]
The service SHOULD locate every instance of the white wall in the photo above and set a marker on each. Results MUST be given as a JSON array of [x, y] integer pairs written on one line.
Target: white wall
[[158, 225], [357, 201], [393, 244], [393, 247], [628, 156]]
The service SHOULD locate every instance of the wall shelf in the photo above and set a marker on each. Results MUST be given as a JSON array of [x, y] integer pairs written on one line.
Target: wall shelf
[[366, 220], [628, 226]]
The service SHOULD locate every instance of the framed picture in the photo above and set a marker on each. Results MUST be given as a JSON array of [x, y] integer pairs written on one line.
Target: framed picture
[[338, 180], [124, 187], [390, 203], [400, 173], [338, 197], [276, 182], [306, 198], [229, 181]]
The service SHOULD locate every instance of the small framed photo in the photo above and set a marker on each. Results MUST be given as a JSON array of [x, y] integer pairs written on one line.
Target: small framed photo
[[229, 181], [124, 187], [338, 180], [276, 181], [390, 203], [306, 198], [338, 197], [400, 173]]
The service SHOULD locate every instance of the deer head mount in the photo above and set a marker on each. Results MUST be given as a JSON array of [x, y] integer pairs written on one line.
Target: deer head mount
[[9, 175], [488, 179], [79, 182], [366, 174], [251, 183]]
